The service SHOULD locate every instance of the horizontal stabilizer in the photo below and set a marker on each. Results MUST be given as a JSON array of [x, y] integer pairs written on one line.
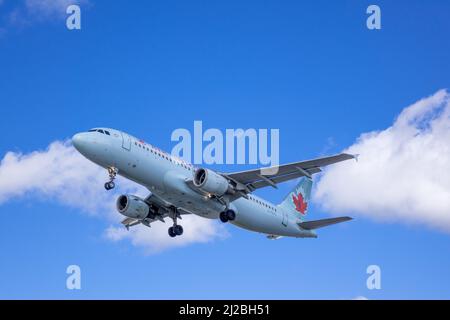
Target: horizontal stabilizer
[[316, 224]]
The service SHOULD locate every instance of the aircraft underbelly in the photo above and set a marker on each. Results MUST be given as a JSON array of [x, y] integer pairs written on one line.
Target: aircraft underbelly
[[181, 195], [252, 217], [169, 183]]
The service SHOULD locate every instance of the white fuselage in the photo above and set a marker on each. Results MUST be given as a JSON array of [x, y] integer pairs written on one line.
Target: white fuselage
[[165, 176]]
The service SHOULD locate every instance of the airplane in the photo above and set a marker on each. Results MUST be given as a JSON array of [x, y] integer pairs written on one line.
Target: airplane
[[178, 188]]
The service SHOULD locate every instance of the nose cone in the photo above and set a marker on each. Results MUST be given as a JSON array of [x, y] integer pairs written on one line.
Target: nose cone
[[79, 141], [93, 146]]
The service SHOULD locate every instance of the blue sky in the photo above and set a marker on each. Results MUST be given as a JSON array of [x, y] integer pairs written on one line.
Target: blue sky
[[310, 68]]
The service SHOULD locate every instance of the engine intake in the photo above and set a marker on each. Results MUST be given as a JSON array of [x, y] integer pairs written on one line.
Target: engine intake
[[210, 182], [132, 207]]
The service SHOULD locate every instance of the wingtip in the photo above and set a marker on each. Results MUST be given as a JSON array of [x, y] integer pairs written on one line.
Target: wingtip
[[351, 156]]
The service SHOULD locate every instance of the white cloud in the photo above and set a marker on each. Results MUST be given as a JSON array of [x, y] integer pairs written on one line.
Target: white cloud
[[61, 174], [25, 13], [196, 230], [403, 173], [50, 8], [56, 172]]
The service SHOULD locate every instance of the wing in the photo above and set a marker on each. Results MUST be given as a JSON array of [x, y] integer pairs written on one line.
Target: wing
[[263, 177], [159, 208], [130, 222]]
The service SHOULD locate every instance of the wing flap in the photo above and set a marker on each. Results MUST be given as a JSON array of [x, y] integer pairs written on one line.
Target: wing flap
[[280, 179], [129, 222]]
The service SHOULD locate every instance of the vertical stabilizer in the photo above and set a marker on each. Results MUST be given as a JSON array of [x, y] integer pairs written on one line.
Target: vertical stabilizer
[[297, 200]]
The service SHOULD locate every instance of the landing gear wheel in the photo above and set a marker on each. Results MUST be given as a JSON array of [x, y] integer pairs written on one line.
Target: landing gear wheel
[[223, 217], [112, 172], [172, 233], [231, 215], [109, 185], [178, 230]]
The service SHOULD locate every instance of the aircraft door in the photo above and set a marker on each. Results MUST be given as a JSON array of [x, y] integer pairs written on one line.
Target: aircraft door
[[126, 141], [285, 218]]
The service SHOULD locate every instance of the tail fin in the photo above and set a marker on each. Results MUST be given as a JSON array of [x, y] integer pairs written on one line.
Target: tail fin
[[297, 200]]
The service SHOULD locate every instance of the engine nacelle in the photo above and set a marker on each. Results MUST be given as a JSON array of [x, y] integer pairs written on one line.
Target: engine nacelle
[[132, 207], [210, 182]]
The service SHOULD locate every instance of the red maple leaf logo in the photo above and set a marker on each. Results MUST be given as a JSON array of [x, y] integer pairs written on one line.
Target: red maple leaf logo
[[300, 204]]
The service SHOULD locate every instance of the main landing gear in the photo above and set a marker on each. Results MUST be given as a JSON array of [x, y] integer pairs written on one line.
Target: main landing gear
[[112, 172], [227, 215], [176, 229]]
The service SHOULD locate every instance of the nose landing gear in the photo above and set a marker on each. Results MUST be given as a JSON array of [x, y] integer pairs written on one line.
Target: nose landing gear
[[112, 172], [110, 185]]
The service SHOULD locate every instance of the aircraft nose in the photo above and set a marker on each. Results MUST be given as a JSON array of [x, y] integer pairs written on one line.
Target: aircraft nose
[[78, 141], [92, 146]]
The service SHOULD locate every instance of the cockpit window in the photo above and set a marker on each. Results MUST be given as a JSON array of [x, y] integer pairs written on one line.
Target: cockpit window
[[100, 131]]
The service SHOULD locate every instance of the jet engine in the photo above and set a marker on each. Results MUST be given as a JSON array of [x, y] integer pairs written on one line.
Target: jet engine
[[211, 182], [132, 207]]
